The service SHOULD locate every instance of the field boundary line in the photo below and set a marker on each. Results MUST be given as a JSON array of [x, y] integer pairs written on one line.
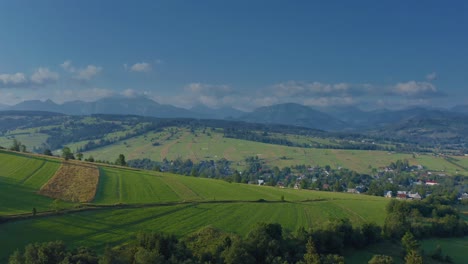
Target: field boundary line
[[33, 172], [351, 211]]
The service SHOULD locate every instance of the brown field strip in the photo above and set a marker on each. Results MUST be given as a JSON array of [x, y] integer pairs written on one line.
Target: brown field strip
[[73, 182]]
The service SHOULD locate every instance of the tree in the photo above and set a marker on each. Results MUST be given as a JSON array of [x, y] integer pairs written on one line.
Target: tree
[[413, 257], [16, 258], [47, 152], [121, 160], [22, 148], [311, 256], [381, 259], [90, 159], [67, 154], [396, 225], [16, 145], [34, 211], [79, 156], [333, 259], [409, 242]]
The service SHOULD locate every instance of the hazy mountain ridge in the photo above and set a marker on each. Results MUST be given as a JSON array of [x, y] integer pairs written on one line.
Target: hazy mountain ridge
[[345, 118], [296, 115]]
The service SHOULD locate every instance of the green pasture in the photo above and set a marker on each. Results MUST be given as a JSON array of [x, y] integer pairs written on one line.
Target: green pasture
[[111, 227], [214, 146], [30, 140], [456, 248], [20, 178], [137, 187]]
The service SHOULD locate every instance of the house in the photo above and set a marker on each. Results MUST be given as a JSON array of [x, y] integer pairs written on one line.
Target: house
[[401, 195], [280, 185], [361, 189], [352, 190], [463, 196], [297, 186], [261, 182], [388, 194], [419, 182], [431, 183], [325, 186], [414, 196]]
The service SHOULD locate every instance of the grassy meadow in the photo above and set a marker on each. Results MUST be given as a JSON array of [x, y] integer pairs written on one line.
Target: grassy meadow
[[177, 142], [212, 146], [110, 227], [197, 203], [20, 179]]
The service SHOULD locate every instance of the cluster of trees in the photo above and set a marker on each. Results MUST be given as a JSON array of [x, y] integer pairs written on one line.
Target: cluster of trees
[[93, 144], [219, 169], [265, 137], [17, 146], [430, 217], [265, 243], [75, 131]]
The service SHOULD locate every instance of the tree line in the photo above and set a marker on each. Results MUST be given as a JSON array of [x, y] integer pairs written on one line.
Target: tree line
[[264, 243]]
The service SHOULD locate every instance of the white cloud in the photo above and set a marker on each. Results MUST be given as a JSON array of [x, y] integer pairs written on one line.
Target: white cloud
[[83, 74], [134, 93], [139, 67], [294, 88], [43, 76], [15, 79], [87, 73], [67, 65], [329, 101], [431, 76], [414, 88]]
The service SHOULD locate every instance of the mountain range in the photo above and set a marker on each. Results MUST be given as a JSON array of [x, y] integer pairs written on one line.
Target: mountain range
[[348, 118]]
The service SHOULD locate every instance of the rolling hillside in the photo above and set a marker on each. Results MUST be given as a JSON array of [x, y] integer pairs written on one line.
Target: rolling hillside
[[213, 146], [20, 179], [164, 202]]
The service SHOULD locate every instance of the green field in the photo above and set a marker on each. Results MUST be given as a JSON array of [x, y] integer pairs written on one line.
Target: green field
[[29, 139], [456, 248], [20, 178], [111, 227], [198, 203], [198, 146], [177, 142], [175, 204]]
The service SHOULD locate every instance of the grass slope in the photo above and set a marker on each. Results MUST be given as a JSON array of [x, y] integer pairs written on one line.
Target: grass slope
[[111, 227], [198, 146], [20, 178], [228, 206], [119, 185]]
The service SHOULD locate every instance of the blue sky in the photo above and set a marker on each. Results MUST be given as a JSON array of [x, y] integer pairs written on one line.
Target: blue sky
[[243, 54]]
